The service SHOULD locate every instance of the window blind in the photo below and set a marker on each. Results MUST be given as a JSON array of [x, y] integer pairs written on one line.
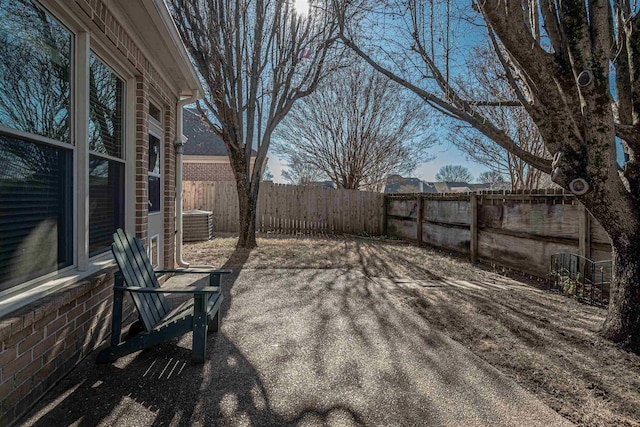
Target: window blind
[[35, 210]]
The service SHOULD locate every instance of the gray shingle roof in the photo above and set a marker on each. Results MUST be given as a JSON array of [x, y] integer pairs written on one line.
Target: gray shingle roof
[[398, 184], [202, 141]]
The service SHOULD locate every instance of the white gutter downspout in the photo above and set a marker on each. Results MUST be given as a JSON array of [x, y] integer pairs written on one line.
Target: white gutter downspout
[[179, 144]]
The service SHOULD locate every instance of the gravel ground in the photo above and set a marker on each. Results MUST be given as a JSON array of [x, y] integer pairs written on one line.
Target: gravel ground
[[549, 344], [301, 347]]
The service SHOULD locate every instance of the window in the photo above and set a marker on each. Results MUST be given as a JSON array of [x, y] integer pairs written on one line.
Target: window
[[154, 112], [153, 250], [35, 71], [35, 210], [106, 202], [36, 179], [154, 174], [106, 164]]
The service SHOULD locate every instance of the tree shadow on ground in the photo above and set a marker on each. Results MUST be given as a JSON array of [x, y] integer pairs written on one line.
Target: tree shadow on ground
[[381, 260], [314, 346], [161, 386], [548, 343]]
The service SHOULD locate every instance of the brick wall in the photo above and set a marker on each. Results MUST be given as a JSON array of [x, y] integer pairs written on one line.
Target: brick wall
[[40, 343], [142, 157], [207, 172]]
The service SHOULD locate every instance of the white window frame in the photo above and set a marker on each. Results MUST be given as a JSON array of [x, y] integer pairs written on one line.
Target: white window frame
[[155, 129], [82, 266], [155, 263], [123, 149], [71, 146]]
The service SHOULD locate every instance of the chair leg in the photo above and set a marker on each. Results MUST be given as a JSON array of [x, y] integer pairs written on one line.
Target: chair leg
[[112, 353], [214, 325], [199, 345], [135, 329], [116, 316]]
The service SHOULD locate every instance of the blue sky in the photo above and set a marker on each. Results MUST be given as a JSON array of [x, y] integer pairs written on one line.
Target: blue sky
[[444, 152]]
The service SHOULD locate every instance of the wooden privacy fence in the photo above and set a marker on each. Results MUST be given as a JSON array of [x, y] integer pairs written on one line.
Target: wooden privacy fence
[[290, 208], [518, 230]]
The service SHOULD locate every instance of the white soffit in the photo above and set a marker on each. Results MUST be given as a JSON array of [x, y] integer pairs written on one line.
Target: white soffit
[[154, 27]]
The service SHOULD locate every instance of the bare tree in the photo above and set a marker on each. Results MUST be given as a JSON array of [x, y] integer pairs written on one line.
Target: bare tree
[[256, 58], [267, 175], [356, 128], [559, 57], [565, 85], [493, 178], [298, 171], [454, 173], [489, 82]]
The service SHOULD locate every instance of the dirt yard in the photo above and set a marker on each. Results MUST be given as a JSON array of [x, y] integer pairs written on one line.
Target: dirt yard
[[545, 342]]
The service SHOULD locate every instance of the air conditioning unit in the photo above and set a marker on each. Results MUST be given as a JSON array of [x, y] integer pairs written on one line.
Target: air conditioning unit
[[197, 226]]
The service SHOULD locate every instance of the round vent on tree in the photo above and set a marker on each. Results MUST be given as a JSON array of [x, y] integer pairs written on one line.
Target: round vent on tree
[[579, 186], [585, 78]]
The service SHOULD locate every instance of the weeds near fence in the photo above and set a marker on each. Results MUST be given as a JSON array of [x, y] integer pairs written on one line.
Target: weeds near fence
[[586, 280]]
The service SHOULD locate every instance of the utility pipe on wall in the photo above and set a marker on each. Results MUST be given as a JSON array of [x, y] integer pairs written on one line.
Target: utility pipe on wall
[[179, 144]]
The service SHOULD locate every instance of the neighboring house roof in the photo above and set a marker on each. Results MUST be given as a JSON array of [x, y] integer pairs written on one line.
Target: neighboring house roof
[[460, 187], [429, 187], [201, 140], [397, 184], [322, 184], [480, 187], [441, 187]]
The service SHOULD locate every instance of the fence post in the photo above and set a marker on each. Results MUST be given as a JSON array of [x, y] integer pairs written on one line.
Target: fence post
[[419, 219], [474, 227], [385, 207], [584, 233]]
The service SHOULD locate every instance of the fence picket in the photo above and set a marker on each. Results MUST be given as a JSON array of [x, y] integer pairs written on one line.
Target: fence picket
[[289, 209]]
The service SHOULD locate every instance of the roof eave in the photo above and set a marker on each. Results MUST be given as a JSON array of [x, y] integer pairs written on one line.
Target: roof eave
[[158, 9]]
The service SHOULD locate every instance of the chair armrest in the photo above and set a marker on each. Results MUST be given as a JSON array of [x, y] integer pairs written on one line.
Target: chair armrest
[[193, 271], [185, 290]]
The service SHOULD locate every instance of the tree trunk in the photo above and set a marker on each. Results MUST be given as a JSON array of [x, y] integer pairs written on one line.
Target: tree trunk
[[247, 203], [623, 319]]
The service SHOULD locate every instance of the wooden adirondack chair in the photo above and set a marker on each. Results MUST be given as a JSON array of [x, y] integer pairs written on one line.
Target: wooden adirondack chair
[[157, 321]]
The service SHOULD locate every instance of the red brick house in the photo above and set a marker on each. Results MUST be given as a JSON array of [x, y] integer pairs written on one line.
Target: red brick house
[[91, 97], [205, 155]]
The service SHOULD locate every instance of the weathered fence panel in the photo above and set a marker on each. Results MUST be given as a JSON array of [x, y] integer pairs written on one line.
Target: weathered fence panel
[[290, 209], [517, 230], [447, 236], [540, 219], [520, 253], [403, 208], [598, 235], [448, 211], [403, 228]]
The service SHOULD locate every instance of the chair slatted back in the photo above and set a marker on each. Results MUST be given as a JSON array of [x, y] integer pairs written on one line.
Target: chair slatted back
[[138, 272]]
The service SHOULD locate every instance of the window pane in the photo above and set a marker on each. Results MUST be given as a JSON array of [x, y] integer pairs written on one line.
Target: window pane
[[154, 194], [106, 202], [106, 93], [35, 210], [154, 155], [153, 251], [35, 70], [154, 112]]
